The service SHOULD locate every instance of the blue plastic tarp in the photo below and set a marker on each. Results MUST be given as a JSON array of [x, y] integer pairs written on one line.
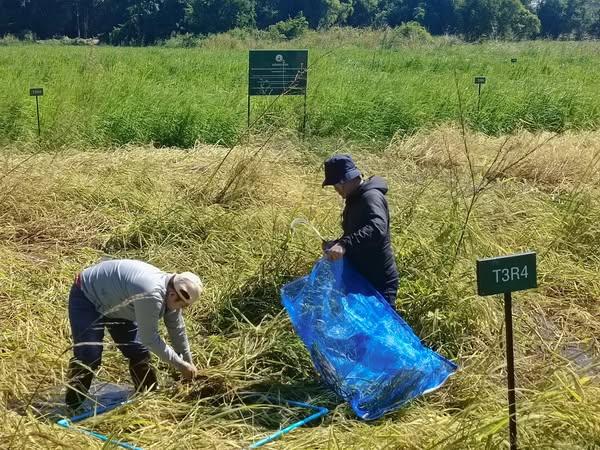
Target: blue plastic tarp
[[359, 345]]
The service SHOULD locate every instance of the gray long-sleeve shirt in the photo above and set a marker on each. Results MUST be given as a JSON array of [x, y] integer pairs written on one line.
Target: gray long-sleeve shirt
[[137, 291]]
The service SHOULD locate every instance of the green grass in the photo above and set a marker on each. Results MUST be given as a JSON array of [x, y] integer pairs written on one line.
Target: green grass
[[103, 96], [61, 212]]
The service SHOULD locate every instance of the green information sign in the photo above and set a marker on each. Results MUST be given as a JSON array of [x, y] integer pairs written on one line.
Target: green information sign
[[506, 274], [277, 72], [479, 80], [36, 92]]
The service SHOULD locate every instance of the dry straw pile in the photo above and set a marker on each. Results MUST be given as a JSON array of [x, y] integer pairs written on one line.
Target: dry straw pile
[[173, 208]]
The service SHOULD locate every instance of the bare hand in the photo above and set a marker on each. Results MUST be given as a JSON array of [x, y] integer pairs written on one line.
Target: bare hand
[[326, 245], [336, 252], [188, 371]]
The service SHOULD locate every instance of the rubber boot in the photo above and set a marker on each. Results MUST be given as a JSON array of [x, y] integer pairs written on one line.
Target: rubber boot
[[143, 375], [80, 379]]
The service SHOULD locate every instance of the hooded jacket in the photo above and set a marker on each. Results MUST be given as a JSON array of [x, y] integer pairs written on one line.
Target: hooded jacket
[[366, 239]]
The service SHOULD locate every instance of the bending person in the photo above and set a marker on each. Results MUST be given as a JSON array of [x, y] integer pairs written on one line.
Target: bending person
[[129, 298]]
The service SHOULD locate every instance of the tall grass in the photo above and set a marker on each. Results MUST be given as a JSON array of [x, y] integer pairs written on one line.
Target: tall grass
[[367, 89], [61, 212]]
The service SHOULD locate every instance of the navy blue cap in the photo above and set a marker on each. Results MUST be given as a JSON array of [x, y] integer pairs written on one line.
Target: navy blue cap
[[339, 169]]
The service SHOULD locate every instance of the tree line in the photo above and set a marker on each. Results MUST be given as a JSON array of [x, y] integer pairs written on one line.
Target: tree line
[[144, 22]]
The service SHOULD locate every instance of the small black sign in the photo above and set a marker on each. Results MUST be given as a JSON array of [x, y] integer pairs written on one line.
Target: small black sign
[[479, 80], [513, 60], [36, 92]]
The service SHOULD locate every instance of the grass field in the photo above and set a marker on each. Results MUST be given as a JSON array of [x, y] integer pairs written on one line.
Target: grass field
[[62, 211], [366, 86]]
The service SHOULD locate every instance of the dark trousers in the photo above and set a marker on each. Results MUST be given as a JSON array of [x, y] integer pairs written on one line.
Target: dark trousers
[[87, 328], [389, 294]]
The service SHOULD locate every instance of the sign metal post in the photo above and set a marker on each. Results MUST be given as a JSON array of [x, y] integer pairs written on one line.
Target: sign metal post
[[479, 81], [504, 275], [37, 92]]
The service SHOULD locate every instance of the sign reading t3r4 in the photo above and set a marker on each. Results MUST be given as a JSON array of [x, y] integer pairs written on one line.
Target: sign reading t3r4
[[506, 274]]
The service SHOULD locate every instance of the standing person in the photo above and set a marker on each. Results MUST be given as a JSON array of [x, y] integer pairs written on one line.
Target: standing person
[[129, 298], [366, 225]]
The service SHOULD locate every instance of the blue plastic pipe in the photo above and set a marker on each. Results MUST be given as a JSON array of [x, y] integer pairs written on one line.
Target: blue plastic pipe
[[66, 423], [321, 411]]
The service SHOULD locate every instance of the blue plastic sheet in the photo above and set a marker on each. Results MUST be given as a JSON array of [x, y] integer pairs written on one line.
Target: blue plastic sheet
[[359, 345]]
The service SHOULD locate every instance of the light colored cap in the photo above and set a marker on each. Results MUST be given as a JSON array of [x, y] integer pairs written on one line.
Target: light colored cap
[[188, 286]]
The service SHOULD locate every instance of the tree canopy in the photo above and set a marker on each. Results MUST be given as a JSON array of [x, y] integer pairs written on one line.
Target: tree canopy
[[147, 21]]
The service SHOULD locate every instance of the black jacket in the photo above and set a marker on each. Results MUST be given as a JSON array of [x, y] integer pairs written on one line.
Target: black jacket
[[366, 224]]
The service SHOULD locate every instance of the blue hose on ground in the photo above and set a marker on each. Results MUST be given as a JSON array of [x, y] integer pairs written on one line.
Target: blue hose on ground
[[66, 423], [321, 411]]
